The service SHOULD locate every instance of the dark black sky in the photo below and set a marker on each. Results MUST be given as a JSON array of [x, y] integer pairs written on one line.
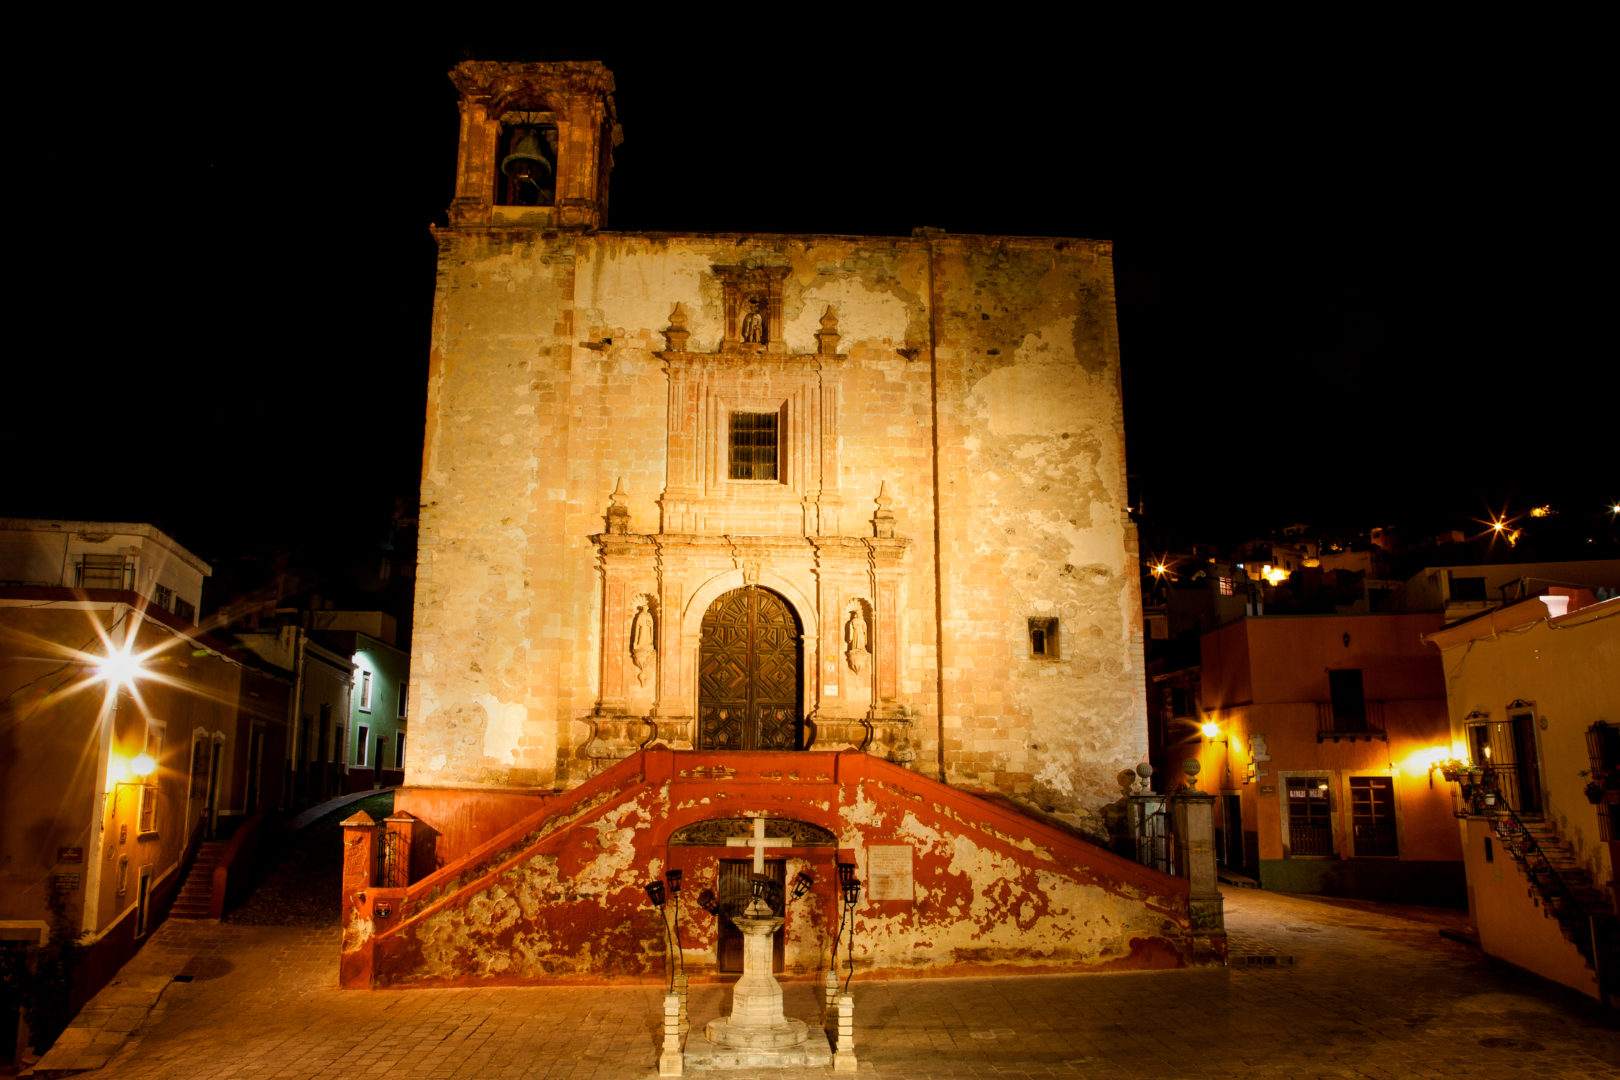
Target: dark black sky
[[1362, 275]]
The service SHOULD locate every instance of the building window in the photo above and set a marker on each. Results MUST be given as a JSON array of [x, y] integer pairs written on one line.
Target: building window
[[754, 446], [148, 818], [1372, 817], [123, 874], [105, 572], [163, 596], [185, 609], [403, 689], [399, 751], [362, 744], [365, 691], [1349, 702], [1468, 590], [1227, 588], [1043, 639], [1310, 819]]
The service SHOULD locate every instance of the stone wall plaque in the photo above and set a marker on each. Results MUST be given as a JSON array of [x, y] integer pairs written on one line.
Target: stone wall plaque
[[888, 872]]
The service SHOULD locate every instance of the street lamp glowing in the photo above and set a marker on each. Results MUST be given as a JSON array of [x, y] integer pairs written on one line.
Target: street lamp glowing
[[118, 667], [142, 765], [1210, 729]]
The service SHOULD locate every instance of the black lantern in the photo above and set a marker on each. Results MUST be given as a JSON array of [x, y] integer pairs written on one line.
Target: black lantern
[[846, 873], [655, 893], [674, 879], [802, 881], [852, 892]]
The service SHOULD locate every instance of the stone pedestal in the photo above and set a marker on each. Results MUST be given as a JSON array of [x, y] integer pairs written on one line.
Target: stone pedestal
[[757, 1034], [1193, 816]]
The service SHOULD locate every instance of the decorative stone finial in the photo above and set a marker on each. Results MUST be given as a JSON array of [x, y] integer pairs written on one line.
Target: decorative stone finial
[[883, 520], [827, 336], [676, 336], [618, 515]]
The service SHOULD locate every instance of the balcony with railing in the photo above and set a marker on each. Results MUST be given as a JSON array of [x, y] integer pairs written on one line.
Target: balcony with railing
[[1349, 721]]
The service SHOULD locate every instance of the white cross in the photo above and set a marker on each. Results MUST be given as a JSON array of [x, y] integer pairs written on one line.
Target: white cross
[[759, 842]]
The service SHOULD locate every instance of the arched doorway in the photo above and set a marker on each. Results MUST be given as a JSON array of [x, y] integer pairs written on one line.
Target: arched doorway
[[749, 673]]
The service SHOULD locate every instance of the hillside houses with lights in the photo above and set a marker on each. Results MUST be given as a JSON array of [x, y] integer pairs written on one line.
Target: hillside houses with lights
[[1313, 702]]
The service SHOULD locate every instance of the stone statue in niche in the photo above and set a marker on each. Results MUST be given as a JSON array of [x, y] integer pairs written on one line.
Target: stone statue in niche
[[753, 325], [642, 650], [856, 652]]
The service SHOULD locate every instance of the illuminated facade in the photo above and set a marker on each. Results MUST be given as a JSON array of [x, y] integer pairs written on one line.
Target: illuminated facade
[[1534, 701], [112, 774], [1316, 732]]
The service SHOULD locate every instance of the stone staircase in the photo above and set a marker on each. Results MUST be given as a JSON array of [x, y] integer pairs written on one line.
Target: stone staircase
[[197, 891], [1560, 885]]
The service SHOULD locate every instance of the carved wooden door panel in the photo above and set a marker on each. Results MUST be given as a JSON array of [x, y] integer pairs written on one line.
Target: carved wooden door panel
[[748, 673]]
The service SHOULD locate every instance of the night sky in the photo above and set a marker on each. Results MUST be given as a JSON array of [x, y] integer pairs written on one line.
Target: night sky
[[1358, 277]]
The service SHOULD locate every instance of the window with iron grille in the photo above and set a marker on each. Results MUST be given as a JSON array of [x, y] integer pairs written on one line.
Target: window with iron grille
[[162, 596], [1372, 817], [185, 609], [102, 572], [754, 446], [1310, 816]]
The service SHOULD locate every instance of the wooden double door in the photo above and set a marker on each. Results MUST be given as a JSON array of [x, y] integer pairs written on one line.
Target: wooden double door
[[750, 665]]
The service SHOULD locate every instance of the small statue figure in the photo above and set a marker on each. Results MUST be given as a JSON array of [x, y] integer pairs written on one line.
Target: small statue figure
[[753, 327], [642, 649], [855, 640]]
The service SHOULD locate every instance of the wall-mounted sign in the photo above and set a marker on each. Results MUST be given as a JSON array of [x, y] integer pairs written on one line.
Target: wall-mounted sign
[[65, 882], [70, 854], [888, 872], [1268, 789], [382, 909]]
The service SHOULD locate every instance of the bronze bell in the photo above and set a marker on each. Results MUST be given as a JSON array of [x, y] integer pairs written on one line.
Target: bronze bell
[[526, 162]]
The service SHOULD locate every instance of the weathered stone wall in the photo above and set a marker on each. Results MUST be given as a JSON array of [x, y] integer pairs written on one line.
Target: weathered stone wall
[[987, 365], [559, 897]]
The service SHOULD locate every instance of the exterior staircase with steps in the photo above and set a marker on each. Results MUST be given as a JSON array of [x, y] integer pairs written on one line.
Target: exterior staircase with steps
[[196, 893], [1563, 889]]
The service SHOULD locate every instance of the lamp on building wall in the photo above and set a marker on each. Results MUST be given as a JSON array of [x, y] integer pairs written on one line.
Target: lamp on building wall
[[852, 895], [132, 772]]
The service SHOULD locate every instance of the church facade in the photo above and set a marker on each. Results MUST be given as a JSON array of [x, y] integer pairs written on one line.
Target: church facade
[[758, 495]]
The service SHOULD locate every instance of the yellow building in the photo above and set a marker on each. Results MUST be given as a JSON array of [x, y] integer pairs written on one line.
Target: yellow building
[[1534, 698]]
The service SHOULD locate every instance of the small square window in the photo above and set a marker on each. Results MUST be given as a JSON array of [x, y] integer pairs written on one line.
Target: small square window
[[1043, 639], [163, 596], [754, 446], [185, 609]]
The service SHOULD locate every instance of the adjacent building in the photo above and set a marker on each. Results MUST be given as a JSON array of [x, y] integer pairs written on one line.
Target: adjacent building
[[1534, 704], [1316, 733], [127, 733]]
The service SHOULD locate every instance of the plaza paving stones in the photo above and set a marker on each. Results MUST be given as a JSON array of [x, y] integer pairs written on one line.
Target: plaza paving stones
[[1373, 992]]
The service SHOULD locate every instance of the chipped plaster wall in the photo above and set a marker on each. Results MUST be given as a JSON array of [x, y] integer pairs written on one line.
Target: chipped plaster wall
[[545, 390], [560, 899], [1032, 524]]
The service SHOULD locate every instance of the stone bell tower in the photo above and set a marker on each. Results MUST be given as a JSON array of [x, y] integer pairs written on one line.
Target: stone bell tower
[[536, 144]]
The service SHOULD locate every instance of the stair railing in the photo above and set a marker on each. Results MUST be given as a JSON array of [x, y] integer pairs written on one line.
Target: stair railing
[[1546, 879]]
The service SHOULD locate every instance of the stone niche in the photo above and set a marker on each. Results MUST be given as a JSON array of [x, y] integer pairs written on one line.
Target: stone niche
[[728, 521]]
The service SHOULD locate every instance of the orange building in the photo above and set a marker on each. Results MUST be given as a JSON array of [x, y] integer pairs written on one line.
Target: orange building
[[1317, 736]]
